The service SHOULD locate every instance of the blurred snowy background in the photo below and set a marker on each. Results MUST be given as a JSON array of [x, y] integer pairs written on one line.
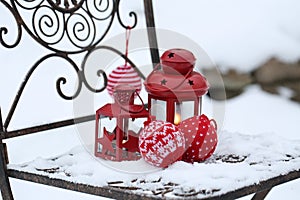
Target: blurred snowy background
[[240, 35]]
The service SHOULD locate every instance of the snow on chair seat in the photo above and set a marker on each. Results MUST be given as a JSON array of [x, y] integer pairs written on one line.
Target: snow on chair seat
[[242, 164]]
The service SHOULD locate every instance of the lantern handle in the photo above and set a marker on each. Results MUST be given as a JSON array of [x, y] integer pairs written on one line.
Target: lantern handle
[[127, 108], [214, 123], [180, 83]]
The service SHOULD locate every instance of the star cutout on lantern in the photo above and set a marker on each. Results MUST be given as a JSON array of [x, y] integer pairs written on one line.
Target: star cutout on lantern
[[191, 82], [171, 55], [106, 141], [163, 82]]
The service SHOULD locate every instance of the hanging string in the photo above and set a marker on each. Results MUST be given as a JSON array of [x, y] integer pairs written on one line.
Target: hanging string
[[128, 30]]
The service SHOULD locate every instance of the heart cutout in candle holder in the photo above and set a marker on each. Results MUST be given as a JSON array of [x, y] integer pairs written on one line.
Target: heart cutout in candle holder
[[200, 138]]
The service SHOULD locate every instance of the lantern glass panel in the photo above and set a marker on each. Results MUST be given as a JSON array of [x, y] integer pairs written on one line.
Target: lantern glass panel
[[184, 110], [200, 106], [158, 109]]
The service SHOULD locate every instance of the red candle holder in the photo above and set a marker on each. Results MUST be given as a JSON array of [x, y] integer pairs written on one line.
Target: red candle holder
[[121, 143]]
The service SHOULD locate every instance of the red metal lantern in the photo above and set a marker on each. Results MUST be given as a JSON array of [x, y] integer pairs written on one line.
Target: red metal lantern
[[121, 142], [175, 91]]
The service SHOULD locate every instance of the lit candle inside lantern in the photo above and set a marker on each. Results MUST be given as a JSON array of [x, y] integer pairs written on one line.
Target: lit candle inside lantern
[[177, 118]]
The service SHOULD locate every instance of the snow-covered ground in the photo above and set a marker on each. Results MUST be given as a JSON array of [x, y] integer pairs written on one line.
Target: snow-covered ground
[[233, 33]]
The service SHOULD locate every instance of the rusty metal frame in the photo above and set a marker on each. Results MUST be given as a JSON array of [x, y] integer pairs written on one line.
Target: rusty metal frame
[[261, 189], [148, 7], [4, 181], [58, 18], [62, 13]]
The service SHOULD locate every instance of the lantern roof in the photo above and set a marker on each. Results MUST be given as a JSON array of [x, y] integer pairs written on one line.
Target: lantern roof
[[176, 79], [115, 110], [177, 61], [167, 85], [178, 56]]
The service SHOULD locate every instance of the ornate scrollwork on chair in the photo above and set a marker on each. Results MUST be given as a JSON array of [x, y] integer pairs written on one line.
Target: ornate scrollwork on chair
[[65, 28]]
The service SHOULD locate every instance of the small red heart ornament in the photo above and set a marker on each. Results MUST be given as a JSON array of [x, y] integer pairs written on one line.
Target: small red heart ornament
[[161, 143], [200, 138]]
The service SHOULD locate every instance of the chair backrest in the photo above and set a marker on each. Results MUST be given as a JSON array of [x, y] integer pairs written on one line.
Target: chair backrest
[[65, 29]]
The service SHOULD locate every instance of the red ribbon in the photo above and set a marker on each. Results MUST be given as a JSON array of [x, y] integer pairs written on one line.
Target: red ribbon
[[128, 29]]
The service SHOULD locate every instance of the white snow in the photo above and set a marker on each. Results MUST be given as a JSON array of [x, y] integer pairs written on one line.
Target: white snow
[[261, 156], [235, 33], [258, 112]]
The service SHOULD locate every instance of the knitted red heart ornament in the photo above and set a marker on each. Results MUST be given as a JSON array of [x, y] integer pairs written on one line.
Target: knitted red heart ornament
[[161, 143], [201, 138]]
